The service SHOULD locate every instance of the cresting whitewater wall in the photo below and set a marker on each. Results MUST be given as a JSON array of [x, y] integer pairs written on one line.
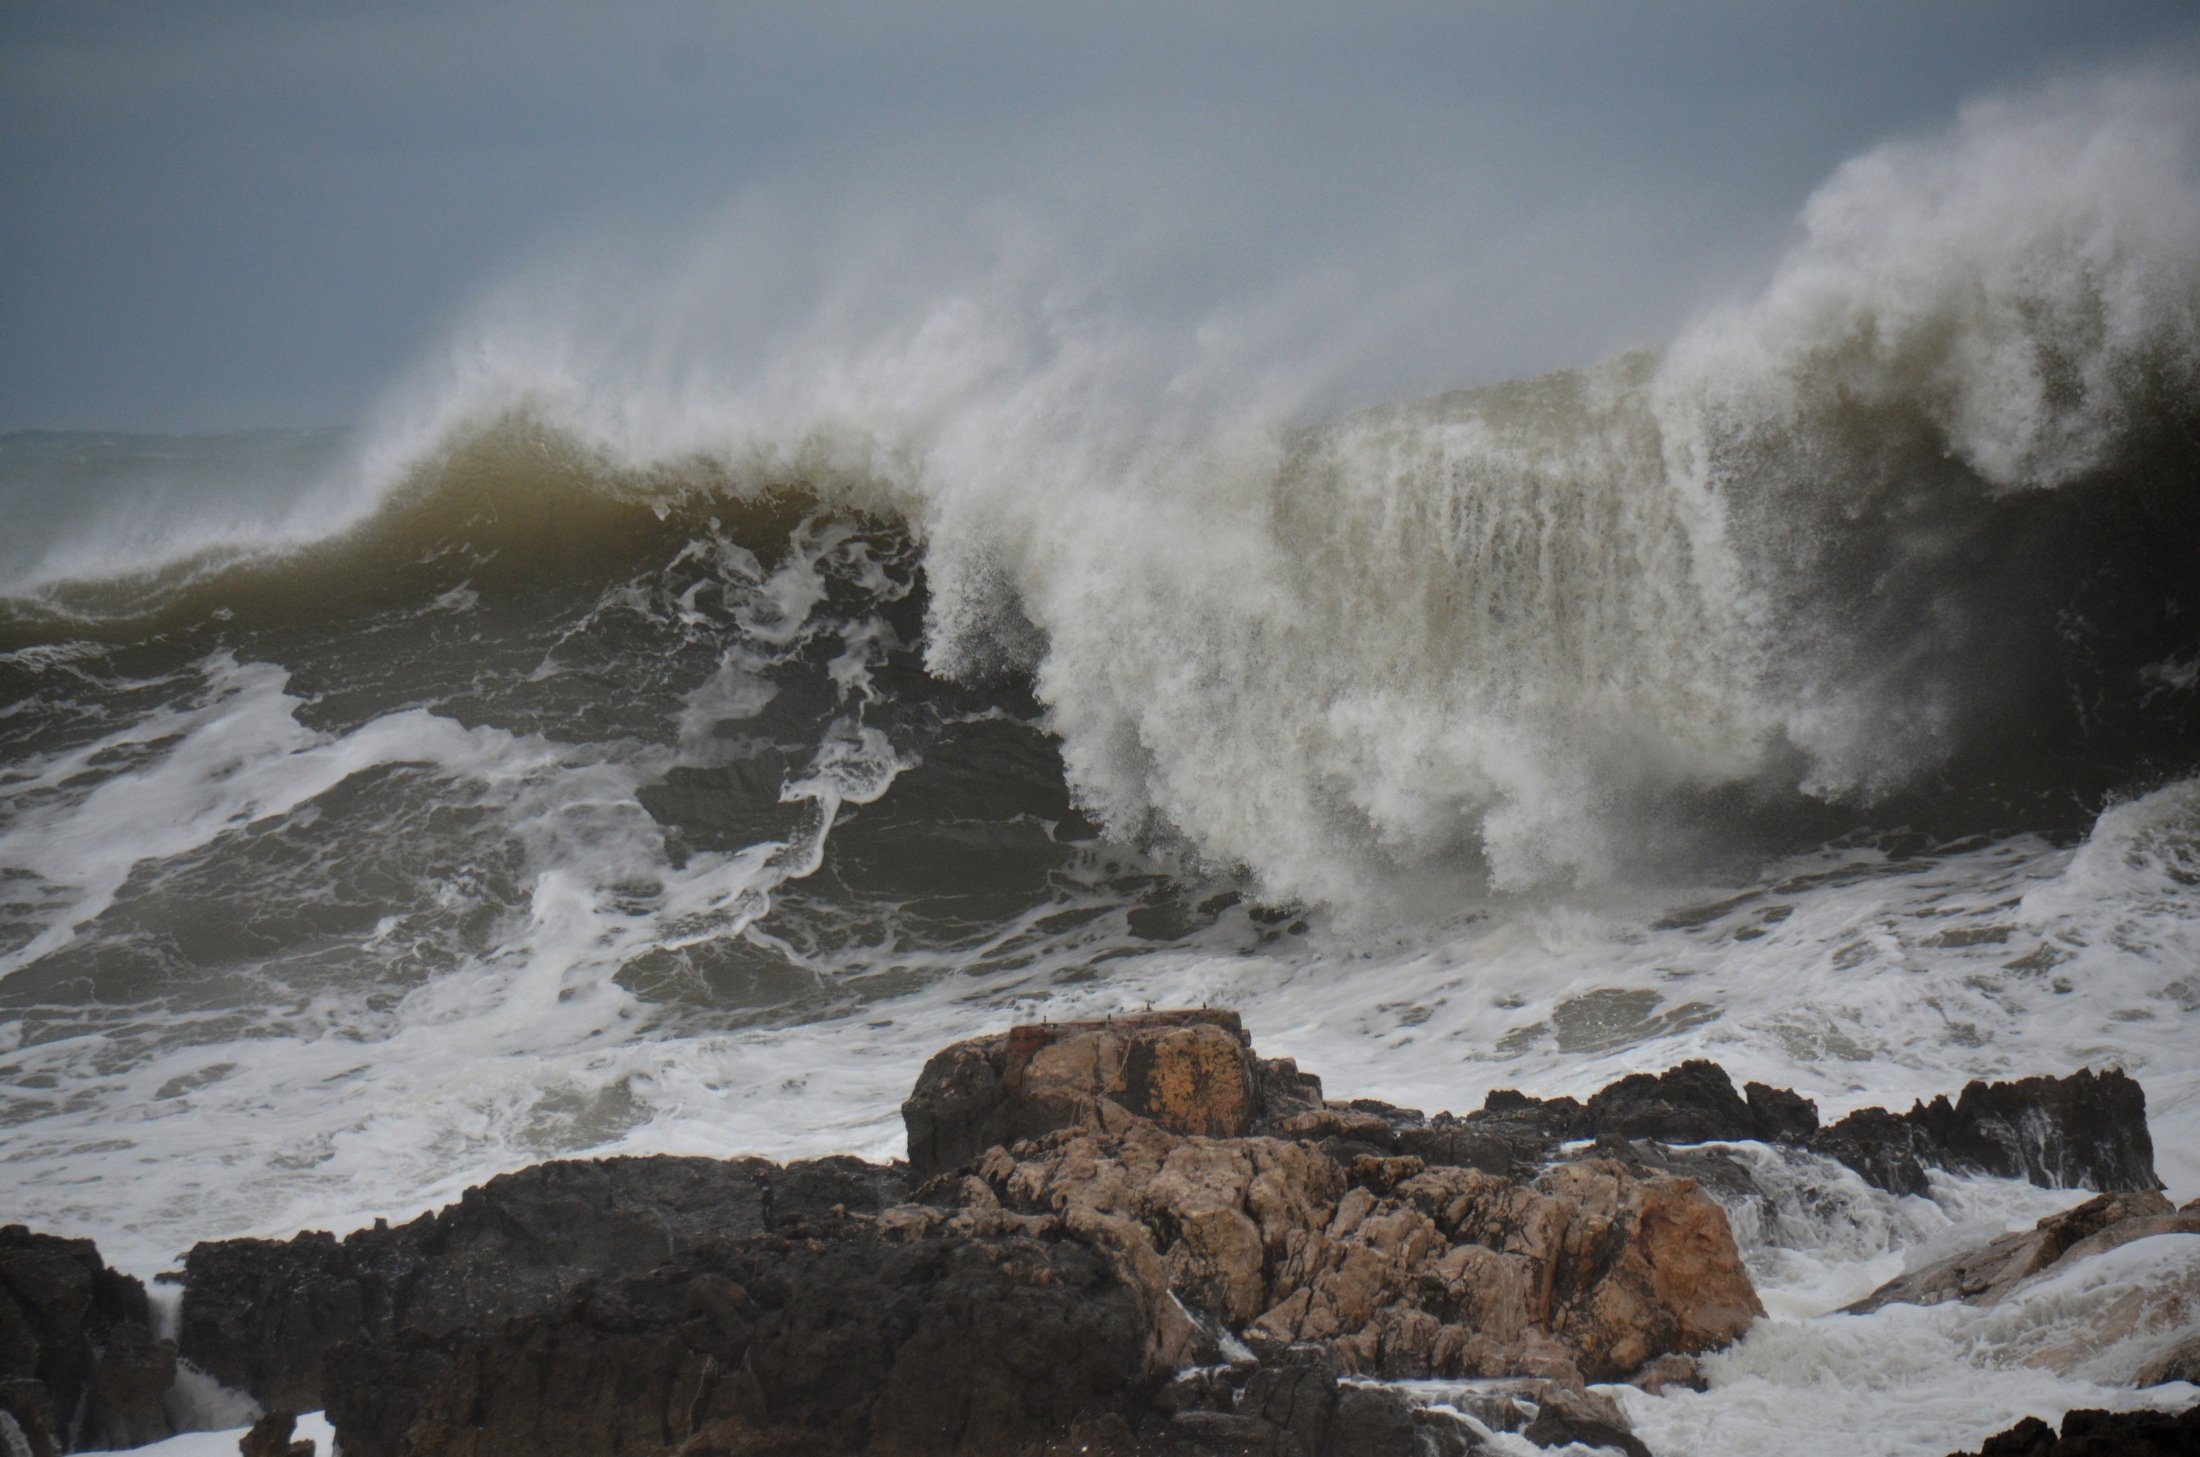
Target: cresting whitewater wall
[[1537, 632], [359, 858]]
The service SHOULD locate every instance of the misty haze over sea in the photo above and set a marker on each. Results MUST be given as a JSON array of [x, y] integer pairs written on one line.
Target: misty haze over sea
[[609, 581]]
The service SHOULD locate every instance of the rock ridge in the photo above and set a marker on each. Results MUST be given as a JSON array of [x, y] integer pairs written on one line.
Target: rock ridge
[[1133, 1236]]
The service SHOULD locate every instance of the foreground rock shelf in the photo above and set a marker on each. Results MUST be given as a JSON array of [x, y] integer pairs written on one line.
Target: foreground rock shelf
[[1134, 1237]]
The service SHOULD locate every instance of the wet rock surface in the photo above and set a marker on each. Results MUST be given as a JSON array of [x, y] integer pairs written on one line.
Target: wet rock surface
[[2087, 1130], [2181, 1362], [1401, 1270], [79, 1365], [1133, 1237], [260, 1315], [270, 1436], [2099, 1434], [1296, 1404], [1186, 1071], [2084, 1131], [842, 1334], [1984, 1276]]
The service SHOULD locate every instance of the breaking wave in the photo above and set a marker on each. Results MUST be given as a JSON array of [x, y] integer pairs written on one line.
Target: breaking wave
[[1913, 532]]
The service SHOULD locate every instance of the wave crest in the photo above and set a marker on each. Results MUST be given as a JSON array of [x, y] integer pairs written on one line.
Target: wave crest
[[1543, 633]]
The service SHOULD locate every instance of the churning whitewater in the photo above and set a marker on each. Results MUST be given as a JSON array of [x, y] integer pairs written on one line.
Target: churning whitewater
[[670, 697]]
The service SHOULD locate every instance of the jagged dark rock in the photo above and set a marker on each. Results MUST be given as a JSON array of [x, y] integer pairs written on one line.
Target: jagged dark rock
[[79, 1365], [2099, 1434], [837, 1334], [26, 1413], [1692, 1103], [1780, 1116], [2087, 1130], [1889, 1150], [2084, 1131], [260, 1315], [1295, 1405], [1095, 1217]]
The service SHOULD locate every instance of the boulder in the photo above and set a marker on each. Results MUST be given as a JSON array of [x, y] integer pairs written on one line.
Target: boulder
[[270, 1437], [261, 1315], [2099, 1434], [1556, 1426], [1295, 1405], [1985, 1275], [918, 1334], [1188, 1071], [1696, 1103], [79, 1365], [1684, 1373], [1414, 1272], [1130, 1238], [2181, 1362], [27, 1417], [2084, 1131]]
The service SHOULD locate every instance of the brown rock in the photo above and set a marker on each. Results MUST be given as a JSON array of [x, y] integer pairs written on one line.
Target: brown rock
[[1676, 1371], [269, 1436], [1983, 1276], [1439, 1272], [1188, 1071], [2180, 1362]]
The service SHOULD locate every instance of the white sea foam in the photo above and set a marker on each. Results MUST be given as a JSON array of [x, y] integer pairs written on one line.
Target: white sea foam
[[1508, 639], [1490, 635], [1495, 636], [1907, 1380]]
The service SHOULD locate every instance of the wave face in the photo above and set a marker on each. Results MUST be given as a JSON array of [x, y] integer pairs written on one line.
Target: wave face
[[693, 701], [1910, 533]]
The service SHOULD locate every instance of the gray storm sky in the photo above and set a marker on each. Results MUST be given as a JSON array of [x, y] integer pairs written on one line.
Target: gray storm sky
[[228, 215]]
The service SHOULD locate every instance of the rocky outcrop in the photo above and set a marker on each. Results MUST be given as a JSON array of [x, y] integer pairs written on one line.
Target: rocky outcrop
[[2099, 1434], [1134, 1237], [1193, 1208], [79, 1365], [2085, 1131], [845, 1333], [270, 1437], [1187, 1072], [2181, 1362], [1294, 1404], [1402, 1270], [261, 1315], [1985, 1276], [1513, 1134]]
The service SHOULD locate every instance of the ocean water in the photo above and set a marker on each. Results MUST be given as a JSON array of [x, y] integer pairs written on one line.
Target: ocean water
[[666, 723]]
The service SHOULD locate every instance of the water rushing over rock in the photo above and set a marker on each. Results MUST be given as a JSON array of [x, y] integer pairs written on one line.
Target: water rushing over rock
[[1131, 1236]]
